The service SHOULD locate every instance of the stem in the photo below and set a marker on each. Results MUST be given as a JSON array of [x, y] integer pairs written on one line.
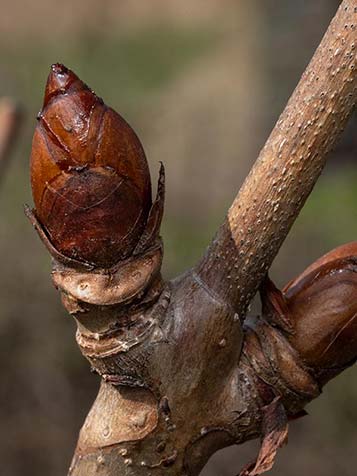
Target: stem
[[287, 167], [181, 377]]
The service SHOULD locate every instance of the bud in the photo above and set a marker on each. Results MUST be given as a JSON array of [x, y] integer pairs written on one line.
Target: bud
[[89, 175], [322, 304]]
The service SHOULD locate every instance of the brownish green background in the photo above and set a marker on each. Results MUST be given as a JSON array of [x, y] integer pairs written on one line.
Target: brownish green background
[[202, 82]]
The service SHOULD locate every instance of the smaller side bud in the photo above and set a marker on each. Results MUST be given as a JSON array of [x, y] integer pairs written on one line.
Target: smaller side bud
[[322, 303]]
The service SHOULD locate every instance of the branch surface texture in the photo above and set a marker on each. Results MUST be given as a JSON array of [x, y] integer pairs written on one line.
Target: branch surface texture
[[287, 167], [183, 371]]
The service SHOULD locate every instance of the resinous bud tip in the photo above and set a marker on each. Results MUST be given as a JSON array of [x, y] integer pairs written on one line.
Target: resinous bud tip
[[59, 81]]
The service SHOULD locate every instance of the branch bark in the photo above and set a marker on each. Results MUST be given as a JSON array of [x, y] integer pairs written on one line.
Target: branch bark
[[287, 167], [181, 376], [9, 125]]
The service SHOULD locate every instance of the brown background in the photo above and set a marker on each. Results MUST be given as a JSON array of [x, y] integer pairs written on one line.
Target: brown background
[[202, 82]]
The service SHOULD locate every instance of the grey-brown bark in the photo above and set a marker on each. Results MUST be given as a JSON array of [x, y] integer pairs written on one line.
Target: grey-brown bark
[[183, 373], [287, 168]]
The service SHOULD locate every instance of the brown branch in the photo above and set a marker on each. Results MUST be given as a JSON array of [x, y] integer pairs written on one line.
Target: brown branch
[[287, 167], [9, 124], [181, 377]]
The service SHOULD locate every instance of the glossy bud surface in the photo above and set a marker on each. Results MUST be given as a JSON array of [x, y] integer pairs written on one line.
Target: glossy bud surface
[[89, 175], [322, 302]]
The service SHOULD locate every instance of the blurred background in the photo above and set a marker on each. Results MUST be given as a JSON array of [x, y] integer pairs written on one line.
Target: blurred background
[[202, 82]]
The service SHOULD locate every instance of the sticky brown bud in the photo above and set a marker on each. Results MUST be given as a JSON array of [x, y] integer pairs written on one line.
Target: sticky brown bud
[[89, 175], [322, 303]]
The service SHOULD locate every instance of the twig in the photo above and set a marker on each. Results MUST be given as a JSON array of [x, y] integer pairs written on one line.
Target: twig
[[287, 168], [181, 376]]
